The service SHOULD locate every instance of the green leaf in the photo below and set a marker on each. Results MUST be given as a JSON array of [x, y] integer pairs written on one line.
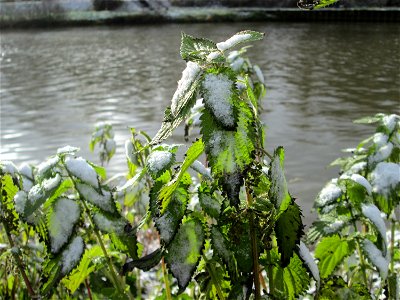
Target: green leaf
[[369, 120], [279, 191], [51, 274], [241, 246], [331, 251], [221, 246], [239, 38], [101, 198], [315, 4], [195, 150], [8, 190], [208, 202], [184, 251], [288, 230], [196, 48], [101, 171], [89, 263], [293, 280], [145, 263]]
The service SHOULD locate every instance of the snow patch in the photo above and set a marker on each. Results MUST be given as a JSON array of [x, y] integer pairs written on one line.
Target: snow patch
[[237, 64], [8, 167], [65, 214], [213, 55], [236, 39], [189, 75], [383, 153], [334, 227], [218, 93], [380, 139], [67, 149], [36, 193], [71, 256], [110, 146], [110, 226], [26, 170], [82, 170], [358, 167], [200, 168], [390, 121], [44, 167], [385, 177], [20, 199], [259, 73], [360, 180], [51, 183]]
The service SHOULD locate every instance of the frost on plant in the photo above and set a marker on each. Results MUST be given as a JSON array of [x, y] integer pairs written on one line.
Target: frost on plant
[[218, 97], [46, 166], [61, 222], [329, 194], [82, 170], [72, 255], [376, 257], [307, 258], [159, 161], [374, 215], [109, 225]]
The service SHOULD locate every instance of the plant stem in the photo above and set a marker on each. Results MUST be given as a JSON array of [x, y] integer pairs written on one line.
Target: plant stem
[[362, 261], [254, 248], [19, 263], [392, 230], [210, 268], [117, 281], [166, 281], [88, 288]]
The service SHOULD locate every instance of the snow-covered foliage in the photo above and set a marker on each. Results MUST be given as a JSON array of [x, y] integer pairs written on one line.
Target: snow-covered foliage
[[218, 94], [330, 193], [159, 160], [233, 41], [385, 178], [72, 254], [80, 168], [376, 258], [103, 200], [65, 214]]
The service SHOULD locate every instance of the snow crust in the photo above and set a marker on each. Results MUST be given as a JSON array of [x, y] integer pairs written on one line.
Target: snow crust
[[104, 200], [71, 255], [47, 165], [189, 75], [380, 139], [67, 149], [236, 39], [26, 170], [374, 214], [158, 160], [358, 167], [82, 170], [20, 199], [390, 121], [383, 153], [51, 183], [385, 177], [8, 167], [66, 213], [218, 93]]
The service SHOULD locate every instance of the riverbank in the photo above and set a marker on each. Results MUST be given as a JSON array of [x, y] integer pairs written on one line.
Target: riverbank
[[17, 15]]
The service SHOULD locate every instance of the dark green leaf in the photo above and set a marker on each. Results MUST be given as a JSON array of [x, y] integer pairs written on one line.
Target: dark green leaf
[[184, 251], [196, 48], [221, 246], [288, 230], [145, 263], [208, 202]]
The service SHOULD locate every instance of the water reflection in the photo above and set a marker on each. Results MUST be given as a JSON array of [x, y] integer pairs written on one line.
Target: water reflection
[[55, 85]]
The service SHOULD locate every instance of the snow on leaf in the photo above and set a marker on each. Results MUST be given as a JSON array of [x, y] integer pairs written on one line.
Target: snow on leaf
[[184, 251], [158, 162], [8, 167], [61, 221], [80, 168], [309, 261], [376, 257], [259, 73], [72, 255], [374, 215], [103, 200], [218, 91], [186, 88], [279, 191], [109, 225], [20, 200], [209, 204], [44, 168], [201, 169], [385, 177], [67, 150], [240, 37], [390, 121], [329, 194], [196, 48], [360, 180], [381, 154], [26, 171], [331, 251]]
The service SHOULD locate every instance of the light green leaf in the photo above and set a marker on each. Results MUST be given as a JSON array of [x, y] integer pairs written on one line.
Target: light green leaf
[[331, 251], [195, 150], [293, 280], [89, 263], [185, 251], [196, 48], [101, 171], [279, 191], [239, 38]]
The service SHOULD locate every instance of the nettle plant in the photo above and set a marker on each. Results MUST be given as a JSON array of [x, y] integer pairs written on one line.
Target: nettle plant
[[358, 226], [230, 230]]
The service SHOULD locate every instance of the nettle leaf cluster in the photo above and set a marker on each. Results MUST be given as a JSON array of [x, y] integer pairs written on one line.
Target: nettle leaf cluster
[[358, 226], [234, 228]]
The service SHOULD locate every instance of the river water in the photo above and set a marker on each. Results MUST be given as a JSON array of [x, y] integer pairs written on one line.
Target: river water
[[56, 84]]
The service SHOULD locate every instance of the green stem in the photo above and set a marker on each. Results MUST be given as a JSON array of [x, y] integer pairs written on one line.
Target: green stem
[[254, 248], [392, 230], [166, 281], [362, 261], [211, 270], [19, 262]]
